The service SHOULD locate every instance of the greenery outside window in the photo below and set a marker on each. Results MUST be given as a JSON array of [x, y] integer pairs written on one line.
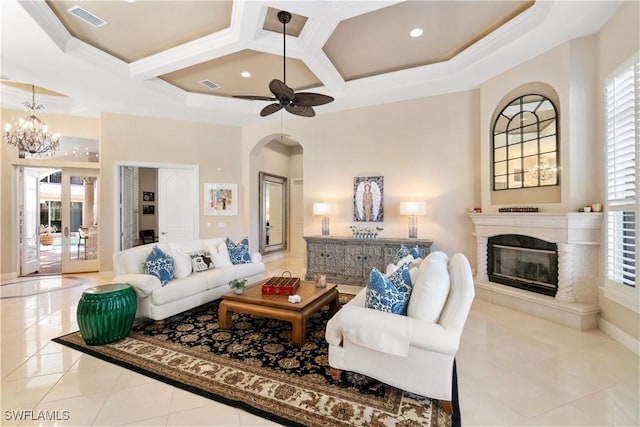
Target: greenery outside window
[[525, 144]]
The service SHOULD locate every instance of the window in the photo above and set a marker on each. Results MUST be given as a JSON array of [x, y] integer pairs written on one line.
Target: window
[[622, 92], [525, 144]]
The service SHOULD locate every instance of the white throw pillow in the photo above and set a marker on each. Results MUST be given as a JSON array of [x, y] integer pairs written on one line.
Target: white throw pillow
[[430, 289], [181, 261], [220, 254]]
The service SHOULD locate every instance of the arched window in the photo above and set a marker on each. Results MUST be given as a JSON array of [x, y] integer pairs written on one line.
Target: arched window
[[525, 144]]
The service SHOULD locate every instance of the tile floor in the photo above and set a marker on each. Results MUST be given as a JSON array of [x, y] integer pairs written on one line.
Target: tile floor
[[513, 369]]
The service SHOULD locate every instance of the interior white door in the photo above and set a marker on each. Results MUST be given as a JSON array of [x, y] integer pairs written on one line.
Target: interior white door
[[80, 237], [177, 204], [30, 221], [127, 207]]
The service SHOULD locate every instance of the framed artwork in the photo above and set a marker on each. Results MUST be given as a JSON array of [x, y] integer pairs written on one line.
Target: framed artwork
[[148, 196], [221, 199], [368, 198], [148, 210]]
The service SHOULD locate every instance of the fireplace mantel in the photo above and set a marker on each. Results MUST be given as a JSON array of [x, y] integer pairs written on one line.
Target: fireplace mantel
[[574, 228], [578, 238]]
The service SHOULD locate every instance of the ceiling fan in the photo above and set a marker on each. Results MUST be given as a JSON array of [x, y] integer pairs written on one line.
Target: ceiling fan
[[300, 103]]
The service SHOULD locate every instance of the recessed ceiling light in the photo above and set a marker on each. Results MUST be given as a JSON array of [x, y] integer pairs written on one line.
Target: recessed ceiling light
[[416, 32], [245, 74]]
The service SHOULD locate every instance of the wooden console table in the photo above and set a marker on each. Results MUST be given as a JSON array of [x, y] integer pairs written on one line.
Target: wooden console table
[[349, 261]]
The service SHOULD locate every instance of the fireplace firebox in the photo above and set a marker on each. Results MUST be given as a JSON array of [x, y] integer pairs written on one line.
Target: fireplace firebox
[[523, 262]]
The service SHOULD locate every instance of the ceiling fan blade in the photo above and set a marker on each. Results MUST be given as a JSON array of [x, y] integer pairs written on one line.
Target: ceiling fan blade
[[281, 90], [270, 109], [300, 110], [255, 98], [310, 99]]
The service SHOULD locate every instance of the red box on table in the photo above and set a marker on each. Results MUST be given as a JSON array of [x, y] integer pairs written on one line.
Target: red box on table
[[281, 286]]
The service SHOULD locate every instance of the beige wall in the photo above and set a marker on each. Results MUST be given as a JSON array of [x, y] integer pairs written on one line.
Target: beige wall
[[279, 159], [569, 70], [616, 42], [153, 142], [426, 149], [64, 125]]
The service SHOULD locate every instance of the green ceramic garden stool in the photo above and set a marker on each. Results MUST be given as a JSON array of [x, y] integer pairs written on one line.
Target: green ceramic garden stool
[[105, 313]]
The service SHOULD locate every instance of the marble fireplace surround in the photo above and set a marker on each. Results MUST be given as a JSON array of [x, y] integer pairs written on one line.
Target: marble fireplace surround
[[577, 236]]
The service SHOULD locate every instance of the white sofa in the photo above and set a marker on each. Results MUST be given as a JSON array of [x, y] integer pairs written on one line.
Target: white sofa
[[414, 352], [188, 289]]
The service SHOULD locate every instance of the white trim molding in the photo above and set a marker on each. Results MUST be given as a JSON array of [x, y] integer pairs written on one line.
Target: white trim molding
[[622, 295], [620, 336]]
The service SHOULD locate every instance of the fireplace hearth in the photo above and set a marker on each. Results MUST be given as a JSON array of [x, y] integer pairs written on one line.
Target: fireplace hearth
[[523, 262], [545, 264]]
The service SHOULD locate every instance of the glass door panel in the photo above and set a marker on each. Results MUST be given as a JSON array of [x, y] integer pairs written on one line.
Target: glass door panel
[[30, 226], [80, 237]]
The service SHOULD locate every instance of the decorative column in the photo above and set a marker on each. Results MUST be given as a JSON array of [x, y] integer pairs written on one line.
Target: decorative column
[[565, 273], [481, 255], [89, 201]]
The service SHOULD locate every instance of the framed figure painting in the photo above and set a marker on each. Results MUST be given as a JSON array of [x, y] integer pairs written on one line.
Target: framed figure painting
[[220, 199], [368, 198]]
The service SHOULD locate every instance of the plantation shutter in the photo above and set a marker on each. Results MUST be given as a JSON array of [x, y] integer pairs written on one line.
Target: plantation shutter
[[623, 122]]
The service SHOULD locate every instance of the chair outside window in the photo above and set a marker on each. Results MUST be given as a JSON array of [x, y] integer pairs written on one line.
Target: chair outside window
[[83, 235], [147, 236]]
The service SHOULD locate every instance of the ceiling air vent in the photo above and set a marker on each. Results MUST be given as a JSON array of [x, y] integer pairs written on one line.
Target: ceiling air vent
[[87, 16], [211, 85]]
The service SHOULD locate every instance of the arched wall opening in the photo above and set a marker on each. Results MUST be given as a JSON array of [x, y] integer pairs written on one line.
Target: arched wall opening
[[281, 155]]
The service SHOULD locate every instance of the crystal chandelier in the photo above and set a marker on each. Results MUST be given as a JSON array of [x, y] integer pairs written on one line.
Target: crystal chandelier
[[31, 135], [544, 169]]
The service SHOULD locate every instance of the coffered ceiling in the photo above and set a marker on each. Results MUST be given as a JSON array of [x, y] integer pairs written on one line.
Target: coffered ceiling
[[152, 57]]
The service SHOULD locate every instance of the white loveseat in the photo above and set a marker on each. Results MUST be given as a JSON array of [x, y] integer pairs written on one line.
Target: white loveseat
[[414, 352], [188, 289]]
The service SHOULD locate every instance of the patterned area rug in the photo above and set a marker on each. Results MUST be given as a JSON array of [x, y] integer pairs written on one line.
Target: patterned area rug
[[254, 366]]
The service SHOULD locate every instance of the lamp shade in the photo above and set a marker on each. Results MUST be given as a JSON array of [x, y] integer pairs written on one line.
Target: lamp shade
[[324, 208], [413, 208]]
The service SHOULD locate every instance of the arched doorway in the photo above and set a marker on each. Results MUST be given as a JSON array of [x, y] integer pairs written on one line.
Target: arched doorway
[[279, 155]]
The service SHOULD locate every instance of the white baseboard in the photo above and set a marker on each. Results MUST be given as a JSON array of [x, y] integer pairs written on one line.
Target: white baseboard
[[619, 335]]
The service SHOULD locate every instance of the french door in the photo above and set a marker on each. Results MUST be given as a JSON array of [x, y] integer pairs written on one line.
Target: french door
[[29, 220], [80, 240]]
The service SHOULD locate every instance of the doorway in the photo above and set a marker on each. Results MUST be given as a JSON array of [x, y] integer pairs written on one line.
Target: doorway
[[158, 197], [58, 220]]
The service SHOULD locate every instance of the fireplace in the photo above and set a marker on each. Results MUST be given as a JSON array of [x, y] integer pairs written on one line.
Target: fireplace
[[523, 262], [572, 271]]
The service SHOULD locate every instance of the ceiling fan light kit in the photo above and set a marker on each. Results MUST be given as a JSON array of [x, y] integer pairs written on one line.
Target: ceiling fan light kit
[[301, 103]]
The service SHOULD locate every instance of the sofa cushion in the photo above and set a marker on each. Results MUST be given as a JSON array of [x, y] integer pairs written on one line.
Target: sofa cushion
[[239, 253], [390, 294], [178, 289], [201, 261], [223, 275], [159, 264], [219, 252], [181, 262], [430, 289]]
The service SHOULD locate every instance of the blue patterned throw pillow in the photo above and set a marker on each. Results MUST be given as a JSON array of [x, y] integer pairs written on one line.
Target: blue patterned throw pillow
[[402, 252], [239, 253], [415, 252], [390, 294], [160, 265]]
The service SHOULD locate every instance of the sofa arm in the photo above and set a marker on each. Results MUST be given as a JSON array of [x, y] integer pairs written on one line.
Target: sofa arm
[[387, 332], [255, 257], [376, 330], [433, 337], [143, 284]]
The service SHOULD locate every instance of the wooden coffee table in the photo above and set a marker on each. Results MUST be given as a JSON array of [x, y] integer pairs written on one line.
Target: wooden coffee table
[[251, 301]]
